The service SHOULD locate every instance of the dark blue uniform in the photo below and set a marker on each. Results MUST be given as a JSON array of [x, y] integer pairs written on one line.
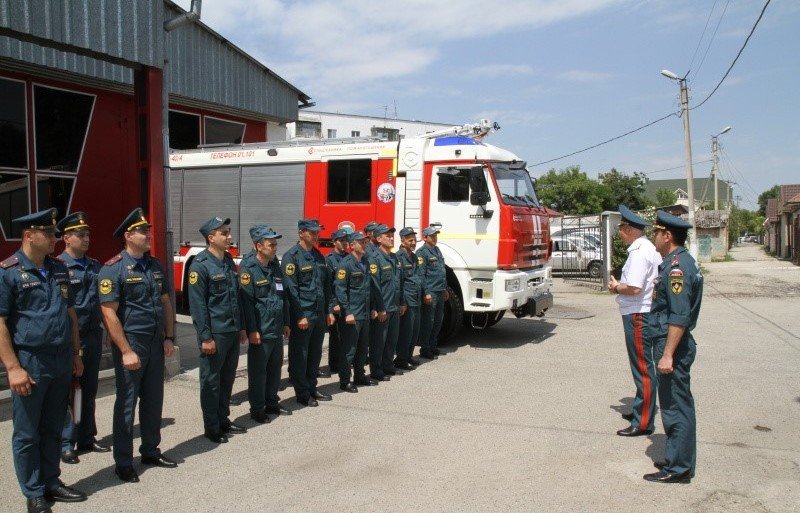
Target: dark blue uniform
[[412, 294], [306, 279], [385, 267], [217, 315], [83, 286], [138, 286], [434, 279], [357, 294], [334, 340], [266, 311], [34, 303], [676, 300]]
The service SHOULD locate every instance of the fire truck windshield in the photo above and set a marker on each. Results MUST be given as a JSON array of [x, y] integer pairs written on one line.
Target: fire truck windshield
[[515, 184]]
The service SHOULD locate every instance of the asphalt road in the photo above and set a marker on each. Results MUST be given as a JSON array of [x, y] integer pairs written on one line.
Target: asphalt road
[[517, 418]]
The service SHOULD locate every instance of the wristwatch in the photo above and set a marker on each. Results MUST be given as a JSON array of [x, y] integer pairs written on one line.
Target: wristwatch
[[79, 352]]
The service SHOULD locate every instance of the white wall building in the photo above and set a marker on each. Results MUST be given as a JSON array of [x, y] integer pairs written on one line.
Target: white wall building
[[329, 125]]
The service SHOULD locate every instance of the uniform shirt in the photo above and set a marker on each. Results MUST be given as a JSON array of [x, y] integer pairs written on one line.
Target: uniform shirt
[[640, 270], [35, 304], [389, 276], [333, 259], [83, 286], [677, 295], [434, 275], [138, 288], [214, 295], [412, 277], [356, 289], [370, 248], [305, 276], [264, 301]]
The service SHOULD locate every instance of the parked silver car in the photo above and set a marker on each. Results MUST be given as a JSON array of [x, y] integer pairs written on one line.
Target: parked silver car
[[575, 253]]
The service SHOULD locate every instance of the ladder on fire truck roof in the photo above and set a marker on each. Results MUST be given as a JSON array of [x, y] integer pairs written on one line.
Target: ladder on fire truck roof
[[474, 130]]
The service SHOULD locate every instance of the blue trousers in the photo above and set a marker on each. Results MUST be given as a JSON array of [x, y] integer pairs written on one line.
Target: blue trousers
[[217, 373], [390, 342], [334, 343], [305, 353], [409, 334], [377, 342], [643, 369], [354, 349], [145, 386], [39, 417], [677, 408], [431, 321], [264, 363], [84, 433]]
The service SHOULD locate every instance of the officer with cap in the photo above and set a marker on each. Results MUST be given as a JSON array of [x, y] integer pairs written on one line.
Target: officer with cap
[[635, 294], [676, 305], [434, 279], [306, 283], [358, 297], [83, 271], [371, 245], [40, 349], [383, 342], [333, 259], [139, 319], [412, 295], [266, 313], [219, 323]]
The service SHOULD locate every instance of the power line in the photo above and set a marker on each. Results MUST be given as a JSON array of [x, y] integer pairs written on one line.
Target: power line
[[748, 197], [735, 59], [607, 140], [682, 166], [711, 41], [699, 41]]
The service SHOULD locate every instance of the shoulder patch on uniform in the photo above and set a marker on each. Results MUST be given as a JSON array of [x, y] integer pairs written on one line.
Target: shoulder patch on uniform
[[290, 268], [676, 286], [113, 260], [244, 279], [420, 260], [341, 274], [373, 268], [676, 272], [106, 286], [193, 277], [9, 262]]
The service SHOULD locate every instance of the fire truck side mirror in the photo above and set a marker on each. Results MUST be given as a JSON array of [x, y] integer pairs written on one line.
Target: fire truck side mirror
[[479, 198], [477, 183]]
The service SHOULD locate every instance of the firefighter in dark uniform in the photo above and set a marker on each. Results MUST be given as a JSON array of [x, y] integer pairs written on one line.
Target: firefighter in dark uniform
[[333, 259], [389, 276], [219, 323], [139, 319], [305, 277], [434, 283], [412, 294], [40, 349], [83, 271], [358, 297], [266, 314], [371, 245], [676, 305]]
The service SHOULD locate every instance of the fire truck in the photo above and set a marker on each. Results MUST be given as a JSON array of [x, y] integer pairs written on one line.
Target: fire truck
[[495, 235]]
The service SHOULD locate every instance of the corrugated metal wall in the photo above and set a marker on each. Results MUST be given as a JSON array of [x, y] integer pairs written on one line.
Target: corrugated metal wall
[[126, 29], [204, 68]]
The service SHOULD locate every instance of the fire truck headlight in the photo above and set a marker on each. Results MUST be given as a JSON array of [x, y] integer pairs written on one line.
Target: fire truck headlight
[[513, 285]]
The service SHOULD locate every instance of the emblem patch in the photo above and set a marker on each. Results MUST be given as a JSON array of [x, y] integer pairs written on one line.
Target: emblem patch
[[373, 268], [106, 286], [64, 290], [244, 279], [290, 268], [420, 261], [676, 284], [341, 274], [193, 277]]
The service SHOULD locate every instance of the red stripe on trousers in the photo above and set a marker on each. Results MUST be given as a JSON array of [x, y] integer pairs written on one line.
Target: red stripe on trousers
[[638, 343]]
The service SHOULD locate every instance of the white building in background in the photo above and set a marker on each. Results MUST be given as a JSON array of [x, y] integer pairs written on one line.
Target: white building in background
[[329, 125]]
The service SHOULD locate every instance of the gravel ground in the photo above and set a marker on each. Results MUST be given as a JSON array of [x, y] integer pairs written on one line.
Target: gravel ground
[[517, 418]]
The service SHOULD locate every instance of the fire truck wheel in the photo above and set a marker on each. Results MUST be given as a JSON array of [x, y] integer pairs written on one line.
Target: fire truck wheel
[[453, 317]]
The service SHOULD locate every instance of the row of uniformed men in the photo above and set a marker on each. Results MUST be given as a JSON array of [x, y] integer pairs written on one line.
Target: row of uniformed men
[[51, 309], [376, 304]]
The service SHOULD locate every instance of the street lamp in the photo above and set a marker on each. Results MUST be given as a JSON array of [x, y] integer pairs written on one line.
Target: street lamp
[[715, 163], [687, 143]]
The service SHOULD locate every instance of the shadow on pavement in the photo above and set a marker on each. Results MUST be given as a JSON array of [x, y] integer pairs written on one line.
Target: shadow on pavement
[[506, 334], [624, 408], [658, 443]]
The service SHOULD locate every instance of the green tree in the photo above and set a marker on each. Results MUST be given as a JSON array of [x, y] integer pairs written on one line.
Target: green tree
[[571, 192], [666, 197], [774, 192], [743, 221], [625, 189]]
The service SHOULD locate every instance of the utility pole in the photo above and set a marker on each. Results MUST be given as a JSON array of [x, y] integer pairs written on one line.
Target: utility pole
[[715, 163], [687, 144]]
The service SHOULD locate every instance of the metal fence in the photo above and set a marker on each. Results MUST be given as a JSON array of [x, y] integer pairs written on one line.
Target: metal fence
[[582, 248]]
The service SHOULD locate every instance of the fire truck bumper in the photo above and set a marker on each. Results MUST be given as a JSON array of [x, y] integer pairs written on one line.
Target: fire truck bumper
[[525, 293]]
